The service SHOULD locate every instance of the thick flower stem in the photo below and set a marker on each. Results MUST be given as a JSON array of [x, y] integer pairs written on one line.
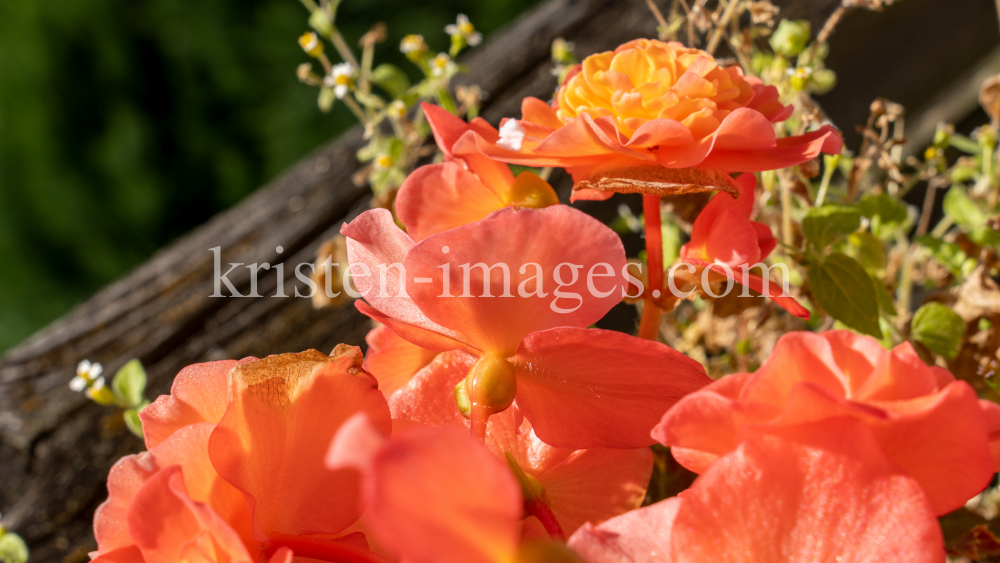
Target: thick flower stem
[[649, 325], [541, 510], [479, 416]]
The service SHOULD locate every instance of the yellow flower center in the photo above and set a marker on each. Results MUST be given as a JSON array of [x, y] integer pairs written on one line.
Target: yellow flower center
[[647, 79], [466, 28]]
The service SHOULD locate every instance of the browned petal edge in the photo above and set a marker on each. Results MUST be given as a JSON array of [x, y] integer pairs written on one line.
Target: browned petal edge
[[275, 379], [658, 180]]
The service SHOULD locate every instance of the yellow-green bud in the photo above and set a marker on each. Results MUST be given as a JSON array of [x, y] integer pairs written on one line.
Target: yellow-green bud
[[321, 22], [462, 398], [530, 190], [491, 383], [311, 44], [539, 551], [791, 37]]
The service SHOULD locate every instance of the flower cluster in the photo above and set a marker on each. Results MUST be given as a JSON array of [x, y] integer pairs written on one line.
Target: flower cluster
[[490, 420]]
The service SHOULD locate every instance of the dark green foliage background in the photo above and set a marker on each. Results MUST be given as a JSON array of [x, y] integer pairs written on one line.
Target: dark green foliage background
[[125, 124]]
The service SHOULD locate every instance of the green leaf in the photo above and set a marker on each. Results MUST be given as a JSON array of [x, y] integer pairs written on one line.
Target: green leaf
[[132, 419], [823, 225], [939, 328], [960, 207], [842, 287], [129, 383], [791, 37], [12, 548], [868, 250], [948, 254], [391, 79], [885, 214], [884, 298]]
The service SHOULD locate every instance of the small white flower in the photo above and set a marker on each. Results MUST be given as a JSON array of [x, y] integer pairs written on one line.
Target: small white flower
[[511, 135], [464, 27], [98, 384], [413, 44], [86, 373], [397, 109], [439, 64], [340, 79]]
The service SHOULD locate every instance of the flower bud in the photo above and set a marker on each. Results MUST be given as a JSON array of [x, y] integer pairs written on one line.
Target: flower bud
[[320, 21], [311, 44], [791, 37], [538, 551], [491, 384], [462, 398], [530, 190]]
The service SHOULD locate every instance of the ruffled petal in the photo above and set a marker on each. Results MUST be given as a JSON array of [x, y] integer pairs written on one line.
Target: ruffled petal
[[198, 394], [788, 151], [417, 335], [537, 111], [806, 497], [168, 526], [524, 290], [376, 243], [187, 449], [597, 484], [588, 388], [283, 412], [640, 536], [425, 497], [438, 197], [393, 360], [942, 441]]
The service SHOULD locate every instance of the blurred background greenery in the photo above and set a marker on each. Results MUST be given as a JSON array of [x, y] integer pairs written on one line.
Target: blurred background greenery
[[125, 124]]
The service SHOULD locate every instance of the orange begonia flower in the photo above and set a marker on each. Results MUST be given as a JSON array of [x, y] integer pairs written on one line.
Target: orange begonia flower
[[431, 495], [578, 485], [393, 360], [724, 235], [652, 117], [241, 476], [925, 422], [579, 387], [438, 197], [825, 495]]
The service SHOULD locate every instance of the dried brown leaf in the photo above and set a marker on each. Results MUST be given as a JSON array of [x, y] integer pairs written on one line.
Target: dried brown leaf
[[657, 180]]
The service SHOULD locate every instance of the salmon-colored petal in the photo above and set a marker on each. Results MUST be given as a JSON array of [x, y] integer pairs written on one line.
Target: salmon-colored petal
[[448, 128], [942, 441], [376, 243], [445, 126], [589, 388], [785, 301], [899, 375], [797, 356], [822, 494], [856, 356], [198, 394], [429, 396], [744, 130], [435, 495], [788, 151], [187, 449], [168, 526], [991, 415], [130, 554], [283, 412], [531, 286], [661, 133], [730, 240], [393, 360], [639, 536], [766, 101], [585, 136], [537, 111], [766, 240], [438, 197], [706, 423], [417, 335], [597, 484]]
